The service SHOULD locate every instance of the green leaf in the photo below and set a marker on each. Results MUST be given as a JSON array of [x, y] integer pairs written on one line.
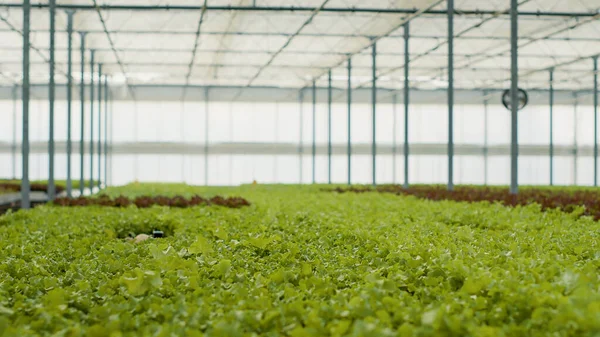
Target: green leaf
[[200, 246]]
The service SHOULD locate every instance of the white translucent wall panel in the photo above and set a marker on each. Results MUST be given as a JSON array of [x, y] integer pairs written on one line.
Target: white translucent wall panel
[[428, 124], [498, 125], [279, 123], [468, 124], [428, 169], [499, 171], [585, 125], [535, 125], [6, 169], [469, 170]]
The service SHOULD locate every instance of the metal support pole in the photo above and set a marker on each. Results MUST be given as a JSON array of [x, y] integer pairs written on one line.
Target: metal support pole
[[106, 131], [314, 133], [301, 137], [514, 97], [92, 120], [450, 95], [485, 137], [394, 135], [25, 204], [100, 126], [111, 139], [406, 101], [551, 94], [51, 91], [349, 120], [206, 138], [329, 149], [69, 100], [14, 133], [575, 143], [595, 121], [82, 99], [374, 111]]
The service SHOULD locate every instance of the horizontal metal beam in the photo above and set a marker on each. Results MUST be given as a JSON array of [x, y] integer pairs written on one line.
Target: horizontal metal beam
[[324, 34], [270, 94], [288, 52], [340, 149], [298, 9], [156, 65]]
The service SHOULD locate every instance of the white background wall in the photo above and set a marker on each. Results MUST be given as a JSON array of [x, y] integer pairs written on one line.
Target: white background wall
[[279, 123]]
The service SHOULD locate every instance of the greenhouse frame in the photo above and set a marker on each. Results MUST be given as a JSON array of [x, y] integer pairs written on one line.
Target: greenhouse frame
[[109, 75]]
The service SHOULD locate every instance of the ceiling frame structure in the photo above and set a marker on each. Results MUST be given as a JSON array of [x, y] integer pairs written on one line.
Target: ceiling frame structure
[[292, 45]]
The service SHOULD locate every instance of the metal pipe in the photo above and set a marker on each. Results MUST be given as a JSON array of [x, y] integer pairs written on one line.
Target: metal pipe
[[272, 58], [206, 138], [51, 92], [596, 121], [92, 121], [14, 133], [514, 98], [190, 65], [450, 95], [575, 143], [69, 100], [299, 52], [82, 98], [394, 135], [314, 133], [368, 10], [349, 120], [25, 202], [116, 55], [374, 111], [112, 128], [329, 128], [99, 125], [106, 131], [485, 137], [301, 137], [551, 95], [406, 101]]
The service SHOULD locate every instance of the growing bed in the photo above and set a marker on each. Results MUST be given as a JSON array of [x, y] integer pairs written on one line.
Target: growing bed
[[299, 261]]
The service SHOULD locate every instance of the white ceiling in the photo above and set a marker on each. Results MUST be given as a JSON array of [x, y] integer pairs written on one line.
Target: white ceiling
[[243, 47]]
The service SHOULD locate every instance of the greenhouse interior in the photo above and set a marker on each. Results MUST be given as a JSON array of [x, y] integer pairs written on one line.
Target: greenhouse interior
[[299, 168]]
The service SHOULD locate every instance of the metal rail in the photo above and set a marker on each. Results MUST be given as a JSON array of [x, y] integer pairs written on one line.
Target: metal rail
[[298, 9]]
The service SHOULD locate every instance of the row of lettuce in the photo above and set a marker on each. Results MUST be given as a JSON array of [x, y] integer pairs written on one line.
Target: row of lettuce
[[299, 262]]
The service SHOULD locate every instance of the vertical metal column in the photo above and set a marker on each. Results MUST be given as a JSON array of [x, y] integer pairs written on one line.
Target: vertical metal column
[[14, 133], [374, 117], [485, 137], [106, 131], [314, 133], [82, 98], [450, 95], [301, 137], [92, 121], [349, 120], [112, 128], [551, 94], [514, 97], [394, 136], [596, 121], [329, 149], [406, 101], [51, 91], [575, 144], [69, 100], [100, 126], [206, 128], [25, 204]]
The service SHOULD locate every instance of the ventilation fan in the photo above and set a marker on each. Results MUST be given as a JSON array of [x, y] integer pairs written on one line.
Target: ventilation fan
[[521, 96]]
